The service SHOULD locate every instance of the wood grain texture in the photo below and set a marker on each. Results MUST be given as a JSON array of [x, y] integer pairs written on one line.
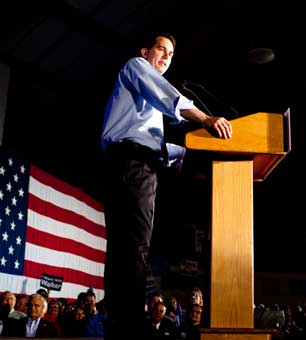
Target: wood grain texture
[[259, 136], [232, 245]]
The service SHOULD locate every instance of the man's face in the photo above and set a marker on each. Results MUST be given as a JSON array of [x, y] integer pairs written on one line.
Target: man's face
[[158, 312], [9, 299], [90, 300], [21, 304], [160, 55], [36, 307], [195, 315], [154, 300]]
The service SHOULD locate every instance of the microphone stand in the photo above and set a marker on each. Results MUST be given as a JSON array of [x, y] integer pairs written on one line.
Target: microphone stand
[[215, 98], [199, 100]]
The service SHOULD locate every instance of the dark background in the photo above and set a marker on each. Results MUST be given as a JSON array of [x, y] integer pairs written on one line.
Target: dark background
[[64, 56]]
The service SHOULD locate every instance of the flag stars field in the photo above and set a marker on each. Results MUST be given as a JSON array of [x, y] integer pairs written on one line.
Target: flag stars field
[[48, 227]]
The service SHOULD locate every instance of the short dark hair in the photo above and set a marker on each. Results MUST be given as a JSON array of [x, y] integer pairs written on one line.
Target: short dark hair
[[150, 40], [43, 292], [90, 292]]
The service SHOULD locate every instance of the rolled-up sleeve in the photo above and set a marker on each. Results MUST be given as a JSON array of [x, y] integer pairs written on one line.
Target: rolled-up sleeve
[[155, 89]]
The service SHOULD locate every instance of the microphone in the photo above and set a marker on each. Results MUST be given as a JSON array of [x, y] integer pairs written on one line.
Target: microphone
[[197, 97], [185, 85]]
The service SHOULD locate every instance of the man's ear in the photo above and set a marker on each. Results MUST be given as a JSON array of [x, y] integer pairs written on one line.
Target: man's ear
[[144, 52]]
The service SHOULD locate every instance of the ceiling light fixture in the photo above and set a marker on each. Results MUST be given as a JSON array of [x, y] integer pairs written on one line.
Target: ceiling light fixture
[[260, 55]]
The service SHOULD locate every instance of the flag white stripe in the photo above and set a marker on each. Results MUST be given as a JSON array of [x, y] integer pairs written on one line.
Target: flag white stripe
[[64, 201], [26, 285], [69, 231], [62, 260]]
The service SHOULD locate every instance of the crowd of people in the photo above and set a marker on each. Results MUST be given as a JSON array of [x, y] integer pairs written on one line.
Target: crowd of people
[[40, 316], [289, 321]]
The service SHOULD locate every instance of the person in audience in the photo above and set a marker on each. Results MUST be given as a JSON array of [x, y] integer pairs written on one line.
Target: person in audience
[[190, 327], [90, 302], [81, 299], [79, 313], [151, 300], [43, 292], [174, 310], [95, 324], [8, 302], [158, 326], [298, 323], [32, 325], [21, 303], [4, 311], [54, 314], [75, 321], [196, 296], [63, 303]]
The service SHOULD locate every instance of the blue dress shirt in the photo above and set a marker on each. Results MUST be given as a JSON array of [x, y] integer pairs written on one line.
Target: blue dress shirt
[[135, 109]]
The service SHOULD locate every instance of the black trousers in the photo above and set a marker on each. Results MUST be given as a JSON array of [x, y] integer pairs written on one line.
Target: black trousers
[[131, 181]]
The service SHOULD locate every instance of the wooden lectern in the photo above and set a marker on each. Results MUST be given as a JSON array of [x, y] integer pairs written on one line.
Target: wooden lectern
[[259, 142]]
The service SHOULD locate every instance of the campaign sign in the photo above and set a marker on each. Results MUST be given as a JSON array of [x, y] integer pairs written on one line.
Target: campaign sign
[[51, 282]]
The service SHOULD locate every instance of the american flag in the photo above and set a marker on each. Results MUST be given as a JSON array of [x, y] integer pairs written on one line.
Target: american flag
[[48, 227]]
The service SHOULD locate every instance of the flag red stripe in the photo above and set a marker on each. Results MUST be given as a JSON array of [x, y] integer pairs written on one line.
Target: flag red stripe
[[66, 216], [65, 188], [34, 270], [66, 245]]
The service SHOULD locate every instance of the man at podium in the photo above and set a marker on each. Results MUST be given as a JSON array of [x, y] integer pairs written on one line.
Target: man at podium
[[133, 141]]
